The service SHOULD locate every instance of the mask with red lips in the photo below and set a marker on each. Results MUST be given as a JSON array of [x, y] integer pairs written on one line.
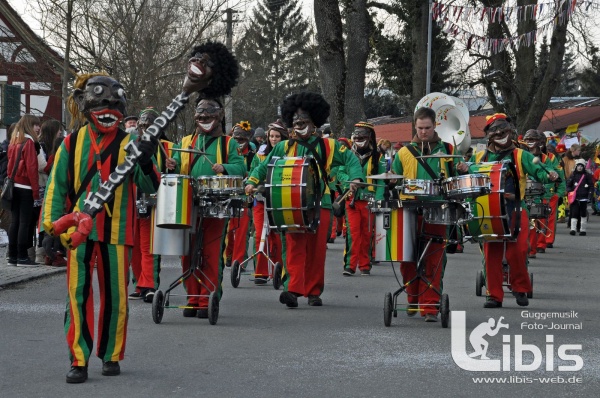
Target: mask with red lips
[[102, 102]]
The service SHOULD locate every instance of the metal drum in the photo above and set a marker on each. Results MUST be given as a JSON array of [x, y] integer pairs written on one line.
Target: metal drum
[[168, 242], [446, 214], [466, 186], [174, 201], [220, 186], [396, 234], [214, 208], [539, 210], [534, 188], [420, 188], [489, 219], [292, 194]]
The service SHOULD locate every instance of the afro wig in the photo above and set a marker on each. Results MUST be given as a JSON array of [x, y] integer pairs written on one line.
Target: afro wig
[[225, 71], [313, 103]]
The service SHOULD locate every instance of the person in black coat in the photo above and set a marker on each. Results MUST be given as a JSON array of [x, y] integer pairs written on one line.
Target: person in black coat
[[581, 182]]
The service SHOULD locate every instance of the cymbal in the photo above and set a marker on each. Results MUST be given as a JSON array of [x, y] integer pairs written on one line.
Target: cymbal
[[385, 176], [439, 156], [194, 151]]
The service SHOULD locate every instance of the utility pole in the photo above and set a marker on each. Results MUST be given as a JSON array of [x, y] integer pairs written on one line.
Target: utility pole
[[228, 100]]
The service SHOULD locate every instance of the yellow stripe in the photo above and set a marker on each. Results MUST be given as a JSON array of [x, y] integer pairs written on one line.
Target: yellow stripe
[[185, 193], [75, 317], [286, 193], [483, 204], [122, 319], [393, 231], [219, 157]]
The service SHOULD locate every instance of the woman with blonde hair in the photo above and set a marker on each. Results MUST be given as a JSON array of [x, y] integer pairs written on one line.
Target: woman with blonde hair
[[23, 168]]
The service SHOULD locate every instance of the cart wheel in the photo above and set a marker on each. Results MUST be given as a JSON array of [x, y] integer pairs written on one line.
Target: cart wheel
[[157, 306], [278, 270], [530, 293], [235, 274], [478, 283], [445, 310], [213, 308], [387, 309]]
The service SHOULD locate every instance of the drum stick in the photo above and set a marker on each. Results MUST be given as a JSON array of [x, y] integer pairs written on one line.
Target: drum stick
[[206, 157], [537, 161], [336, 203], [259, 189]]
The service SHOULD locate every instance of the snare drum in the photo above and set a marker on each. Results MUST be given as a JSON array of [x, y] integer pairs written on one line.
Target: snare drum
[[448, 213], [466, 186], [489, 220], [539, 210], [420, 188], [292, 194], [534, 188], [168, 242], [396, 234], [174, 201], [220, 186]]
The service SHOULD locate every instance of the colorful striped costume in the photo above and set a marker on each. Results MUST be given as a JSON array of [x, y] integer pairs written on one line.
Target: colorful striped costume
[[222, 150], [108, 245], [305, 252]]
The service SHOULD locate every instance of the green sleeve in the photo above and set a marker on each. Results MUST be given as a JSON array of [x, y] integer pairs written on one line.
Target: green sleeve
[[532, 169], [235, 165], [342, 156], [259, 173], [57, 187]]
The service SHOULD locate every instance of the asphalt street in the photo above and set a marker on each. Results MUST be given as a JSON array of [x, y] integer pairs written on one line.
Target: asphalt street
[[259, 348]]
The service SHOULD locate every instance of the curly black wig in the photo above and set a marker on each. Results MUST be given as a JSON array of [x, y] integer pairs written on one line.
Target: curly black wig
[[225, 71], [313, 103]]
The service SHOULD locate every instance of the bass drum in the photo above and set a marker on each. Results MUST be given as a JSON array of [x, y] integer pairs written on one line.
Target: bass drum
[[293, 194], [490, 219]]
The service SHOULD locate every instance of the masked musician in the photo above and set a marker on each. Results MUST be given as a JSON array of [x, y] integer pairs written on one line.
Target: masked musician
[[359, 218], [500, 132], [305, 252], [276, 132], [424, 294], [82, 163], [543, 232], [237, 235], [145, 266]]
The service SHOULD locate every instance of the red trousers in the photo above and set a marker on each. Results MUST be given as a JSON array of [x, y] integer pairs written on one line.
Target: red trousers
[[213, 230], [358, 243], [516, 255], [305, 259], [338, 227], [237, 237], [274, 242], [551, 233], [144, 265], [419, 290], [537, 240]]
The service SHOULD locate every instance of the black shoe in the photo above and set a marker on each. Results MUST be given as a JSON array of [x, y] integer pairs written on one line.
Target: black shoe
[[347, 272], [365, 272], [315, 301], [491, 303], [135, 295], [77, 374], [338, 233], [541, 250], [431, 318], [582, 233], [11, 261], [572, 232], [260, 280], [330, 240], [549, 246], [289, 299], [26, 262], [189, 312], [522, 299], [203, 314], [228, 263], [149, 295], [110, 368]]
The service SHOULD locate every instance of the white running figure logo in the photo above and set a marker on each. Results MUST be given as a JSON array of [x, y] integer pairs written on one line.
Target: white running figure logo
[[484, 329]]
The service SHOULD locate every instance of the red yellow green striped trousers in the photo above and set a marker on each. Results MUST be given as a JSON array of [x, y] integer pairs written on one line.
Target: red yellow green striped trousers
[[112, 270]]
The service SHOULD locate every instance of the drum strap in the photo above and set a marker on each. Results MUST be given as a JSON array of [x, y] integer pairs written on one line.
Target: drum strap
[[196, 158], [422, 162]]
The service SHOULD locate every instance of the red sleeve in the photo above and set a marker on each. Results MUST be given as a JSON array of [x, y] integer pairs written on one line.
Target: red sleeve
[[31, 165], [49, 164]]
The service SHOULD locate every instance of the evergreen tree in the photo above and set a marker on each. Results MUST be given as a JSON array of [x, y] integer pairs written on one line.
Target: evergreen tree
[[568, 85], [394, 53], [277, 58], [590, 77]]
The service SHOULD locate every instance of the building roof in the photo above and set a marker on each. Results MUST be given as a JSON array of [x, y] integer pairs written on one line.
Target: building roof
[[556, 119]]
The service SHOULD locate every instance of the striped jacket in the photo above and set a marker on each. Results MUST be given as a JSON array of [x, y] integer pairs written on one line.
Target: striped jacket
[[72, 162], [222, 150]]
